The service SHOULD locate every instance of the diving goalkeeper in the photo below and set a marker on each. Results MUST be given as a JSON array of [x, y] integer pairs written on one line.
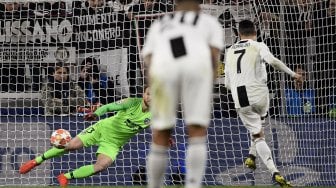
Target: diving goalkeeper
[[110, 134]]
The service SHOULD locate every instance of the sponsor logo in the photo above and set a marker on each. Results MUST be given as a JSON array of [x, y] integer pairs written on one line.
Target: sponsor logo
[[147, 121]]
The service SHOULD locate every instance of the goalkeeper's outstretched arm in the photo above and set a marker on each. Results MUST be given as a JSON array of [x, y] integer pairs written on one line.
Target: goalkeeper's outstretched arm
[[115, 106], [111, 107]]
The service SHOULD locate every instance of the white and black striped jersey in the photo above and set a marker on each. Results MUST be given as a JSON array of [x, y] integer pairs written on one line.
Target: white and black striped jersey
[[183, 35], [245, 71]]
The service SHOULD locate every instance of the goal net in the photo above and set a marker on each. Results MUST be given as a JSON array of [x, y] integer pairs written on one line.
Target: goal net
[[62, 59]]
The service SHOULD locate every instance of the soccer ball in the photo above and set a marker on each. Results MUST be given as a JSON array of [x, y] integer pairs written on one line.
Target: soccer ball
[[60, 138]]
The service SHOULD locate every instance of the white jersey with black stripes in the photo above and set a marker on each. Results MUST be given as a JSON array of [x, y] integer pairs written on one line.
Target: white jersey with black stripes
[[181, 66], [245, 71], [197, 31]]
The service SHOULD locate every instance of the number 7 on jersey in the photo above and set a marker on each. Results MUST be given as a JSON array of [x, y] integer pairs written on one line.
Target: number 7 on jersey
[[241, 53]]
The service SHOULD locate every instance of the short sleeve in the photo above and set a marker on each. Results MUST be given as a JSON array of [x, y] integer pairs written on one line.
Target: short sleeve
[[216, 35], [150, 40]]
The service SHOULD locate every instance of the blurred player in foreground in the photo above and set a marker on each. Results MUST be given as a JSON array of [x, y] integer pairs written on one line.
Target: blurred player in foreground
[[110, 134], [181, 52], [245, 76]]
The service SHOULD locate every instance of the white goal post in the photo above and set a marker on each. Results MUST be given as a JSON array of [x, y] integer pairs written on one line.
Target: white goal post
[[36, 36]]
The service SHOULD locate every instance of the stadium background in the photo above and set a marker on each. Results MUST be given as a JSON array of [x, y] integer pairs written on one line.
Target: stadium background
[[34, 38]]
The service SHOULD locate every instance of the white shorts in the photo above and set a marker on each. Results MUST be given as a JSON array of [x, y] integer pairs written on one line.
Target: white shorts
[[178, 81], [252, 115]]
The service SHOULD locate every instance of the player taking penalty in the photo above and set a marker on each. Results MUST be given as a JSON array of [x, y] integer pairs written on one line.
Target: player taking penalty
[[245, 76], [109, 134]]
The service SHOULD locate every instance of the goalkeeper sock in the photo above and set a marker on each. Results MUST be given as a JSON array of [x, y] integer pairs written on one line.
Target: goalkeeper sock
[[196, 162], [51, 153], [82, 172], [265, 154], [156, 165]]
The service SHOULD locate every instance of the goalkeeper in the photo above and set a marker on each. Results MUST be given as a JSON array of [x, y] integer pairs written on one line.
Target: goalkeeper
[[109, 134]]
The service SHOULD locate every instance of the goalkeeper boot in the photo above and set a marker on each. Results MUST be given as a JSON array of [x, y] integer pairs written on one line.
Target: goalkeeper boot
[[62, 180], [281, 180], [28, 166], [250, 162]]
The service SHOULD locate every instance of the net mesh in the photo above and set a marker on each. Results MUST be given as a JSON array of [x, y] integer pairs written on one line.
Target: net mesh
[[92, 48]]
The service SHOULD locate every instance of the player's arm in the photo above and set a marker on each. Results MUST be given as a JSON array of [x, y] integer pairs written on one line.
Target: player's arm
[[268, 57], [215, 59], [227, 75], [216, 43], [148, 48], [147, 62], [111, 107]]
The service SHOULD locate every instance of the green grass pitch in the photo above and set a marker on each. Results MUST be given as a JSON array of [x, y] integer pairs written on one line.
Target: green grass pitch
[[142, 186], [275, 186], [176, 187]]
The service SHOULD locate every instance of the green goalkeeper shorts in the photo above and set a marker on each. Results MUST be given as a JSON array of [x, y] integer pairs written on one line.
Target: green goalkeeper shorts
[[92, 136]]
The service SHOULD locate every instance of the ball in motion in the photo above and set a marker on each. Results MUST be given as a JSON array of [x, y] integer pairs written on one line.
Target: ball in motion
[[60, 138]]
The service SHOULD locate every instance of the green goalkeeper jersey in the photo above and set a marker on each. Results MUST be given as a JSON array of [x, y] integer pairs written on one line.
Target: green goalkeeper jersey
[[129, 120]]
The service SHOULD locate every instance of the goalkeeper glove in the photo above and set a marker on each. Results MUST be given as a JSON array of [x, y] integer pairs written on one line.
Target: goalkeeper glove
[[90, 117], [171, 142]]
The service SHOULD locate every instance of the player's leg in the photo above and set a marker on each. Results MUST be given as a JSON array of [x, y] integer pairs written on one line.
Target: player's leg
[[88, 137], [158, 157], [196, 155], [164, 89], [250, 160], [252, 122], [265, 154], [102, 163], [106, 154], [74, 144], [196, 100]]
